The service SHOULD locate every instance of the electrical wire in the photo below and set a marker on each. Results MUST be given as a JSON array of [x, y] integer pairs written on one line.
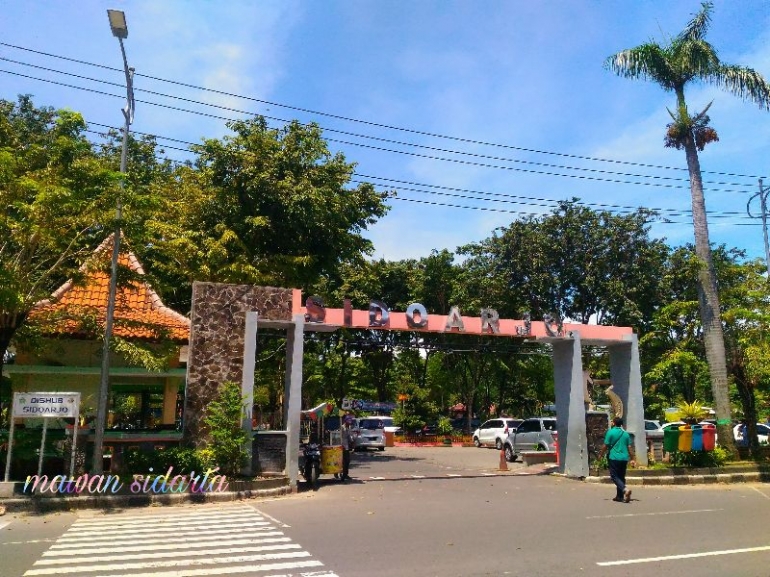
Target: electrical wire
[[386, 140], [616, 208], [381, 149], [371, 123]]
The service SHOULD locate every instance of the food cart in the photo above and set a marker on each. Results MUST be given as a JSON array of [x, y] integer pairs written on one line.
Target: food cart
[[313, 430]]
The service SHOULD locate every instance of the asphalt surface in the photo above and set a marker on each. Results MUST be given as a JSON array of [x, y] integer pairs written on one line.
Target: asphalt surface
[[413, 511]]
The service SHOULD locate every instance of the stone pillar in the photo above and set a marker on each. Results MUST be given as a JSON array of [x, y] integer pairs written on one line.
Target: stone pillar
[[295, 345], [570, 406], [217, 342], [626, 377]]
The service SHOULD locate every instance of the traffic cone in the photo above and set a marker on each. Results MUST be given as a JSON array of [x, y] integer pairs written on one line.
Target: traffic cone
[[503, 462]]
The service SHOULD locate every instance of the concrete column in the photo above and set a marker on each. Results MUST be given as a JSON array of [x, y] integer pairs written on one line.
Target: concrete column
[[170, 391], [295, 345], [570, 407], [626, 377], [247, 385]]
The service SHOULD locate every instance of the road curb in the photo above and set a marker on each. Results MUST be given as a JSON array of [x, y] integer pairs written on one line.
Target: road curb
[[46, 503], [708, 479]]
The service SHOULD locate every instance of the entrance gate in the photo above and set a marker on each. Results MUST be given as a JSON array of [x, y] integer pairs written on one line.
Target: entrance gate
[[226, 318]]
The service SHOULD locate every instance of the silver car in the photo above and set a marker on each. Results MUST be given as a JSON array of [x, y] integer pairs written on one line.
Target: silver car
[[370, 433], [494, 432], [534, 434]]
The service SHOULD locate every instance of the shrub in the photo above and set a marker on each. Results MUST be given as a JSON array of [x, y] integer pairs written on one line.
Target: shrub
[[228, 439], [182, 459], [716, 458], [444, 426]]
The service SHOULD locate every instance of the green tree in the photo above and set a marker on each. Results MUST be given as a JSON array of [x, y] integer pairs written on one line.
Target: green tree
[[267, 206], [747, 325], [575, 262], [686, 59], [57, 196]]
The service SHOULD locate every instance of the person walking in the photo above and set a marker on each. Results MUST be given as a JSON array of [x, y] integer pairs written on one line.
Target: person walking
[[348, 445], [620, 451]]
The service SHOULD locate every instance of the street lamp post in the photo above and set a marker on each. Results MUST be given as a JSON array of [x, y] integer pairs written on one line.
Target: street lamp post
[[120, 31]]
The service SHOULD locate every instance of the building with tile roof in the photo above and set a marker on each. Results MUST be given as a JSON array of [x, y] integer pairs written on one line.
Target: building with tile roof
[[69, 358]]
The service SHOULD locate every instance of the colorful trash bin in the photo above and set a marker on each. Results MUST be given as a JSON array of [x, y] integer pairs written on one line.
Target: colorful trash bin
[[697, 438], [709, 437], [671, 440], [390, 439], [685, 438]]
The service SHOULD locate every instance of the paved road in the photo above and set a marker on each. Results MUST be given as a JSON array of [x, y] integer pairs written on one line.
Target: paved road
[[413, 511]]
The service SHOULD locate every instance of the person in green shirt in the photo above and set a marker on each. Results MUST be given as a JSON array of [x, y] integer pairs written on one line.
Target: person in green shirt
[[618, 443]]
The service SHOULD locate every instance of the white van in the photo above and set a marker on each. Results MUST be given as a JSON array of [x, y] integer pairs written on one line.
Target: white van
[[370, 432]]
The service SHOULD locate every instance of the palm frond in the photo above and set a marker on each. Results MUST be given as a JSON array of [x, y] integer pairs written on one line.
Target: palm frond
[[745, 83], [699, 25], [647, 61]]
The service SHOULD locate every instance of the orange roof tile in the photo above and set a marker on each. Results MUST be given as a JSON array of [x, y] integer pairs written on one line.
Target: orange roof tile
[[139, 312]]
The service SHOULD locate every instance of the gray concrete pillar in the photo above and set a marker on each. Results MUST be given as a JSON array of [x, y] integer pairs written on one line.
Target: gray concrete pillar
[[295, 345], [247, 385], [570, 407], [626, 378]]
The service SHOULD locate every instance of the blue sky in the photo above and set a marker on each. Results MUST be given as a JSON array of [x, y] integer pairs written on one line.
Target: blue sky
[[518, 75]]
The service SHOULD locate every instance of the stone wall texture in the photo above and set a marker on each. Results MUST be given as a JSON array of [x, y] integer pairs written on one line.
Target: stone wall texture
[[216, 342]]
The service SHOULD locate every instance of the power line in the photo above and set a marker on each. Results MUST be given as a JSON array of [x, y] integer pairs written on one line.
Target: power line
[[381, 149], [370, 123], [617, 208], [391, 141]]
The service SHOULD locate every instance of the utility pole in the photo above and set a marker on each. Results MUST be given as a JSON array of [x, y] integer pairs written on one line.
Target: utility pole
[[762, 194]]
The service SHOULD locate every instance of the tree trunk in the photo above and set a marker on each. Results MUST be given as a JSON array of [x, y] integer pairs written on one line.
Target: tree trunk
[[708, 299]]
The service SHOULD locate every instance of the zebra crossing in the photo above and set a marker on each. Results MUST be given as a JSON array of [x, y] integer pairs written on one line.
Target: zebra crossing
[[222, 540]]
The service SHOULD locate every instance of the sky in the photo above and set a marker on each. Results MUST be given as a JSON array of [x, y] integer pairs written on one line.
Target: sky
[[475, 113]]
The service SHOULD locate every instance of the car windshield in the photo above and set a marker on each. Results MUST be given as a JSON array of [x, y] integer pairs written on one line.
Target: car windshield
[[549, 425], [370, 424]]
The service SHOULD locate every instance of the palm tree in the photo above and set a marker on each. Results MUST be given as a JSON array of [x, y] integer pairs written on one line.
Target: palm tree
[[685, 59]]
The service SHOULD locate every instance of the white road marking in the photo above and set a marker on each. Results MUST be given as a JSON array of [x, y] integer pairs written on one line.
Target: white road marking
[[204, 542], [417, 476], [170, 521], [652, 514], [377, 478], [173, 563], [685, 556], [66, 542], [271, 518], [220, 570], [761, 493], [4, 524], [187, 515], [169, 554], [489, 474], [75, 534], [453, 475]]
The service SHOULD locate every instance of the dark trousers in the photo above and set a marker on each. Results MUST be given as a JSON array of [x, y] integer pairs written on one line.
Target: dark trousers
[[618, 475], [345, 462]]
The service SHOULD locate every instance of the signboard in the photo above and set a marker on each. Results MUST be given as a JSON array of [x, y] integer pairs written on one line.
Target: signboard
[[45, 405]]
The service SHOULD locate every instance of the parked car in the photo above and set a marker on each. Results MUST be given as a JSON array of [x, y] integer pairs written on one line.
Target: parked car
[[536, 433], [388, 425], [494, 432], [763, 433], [369, 433], [653, 430], [461, 423]]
